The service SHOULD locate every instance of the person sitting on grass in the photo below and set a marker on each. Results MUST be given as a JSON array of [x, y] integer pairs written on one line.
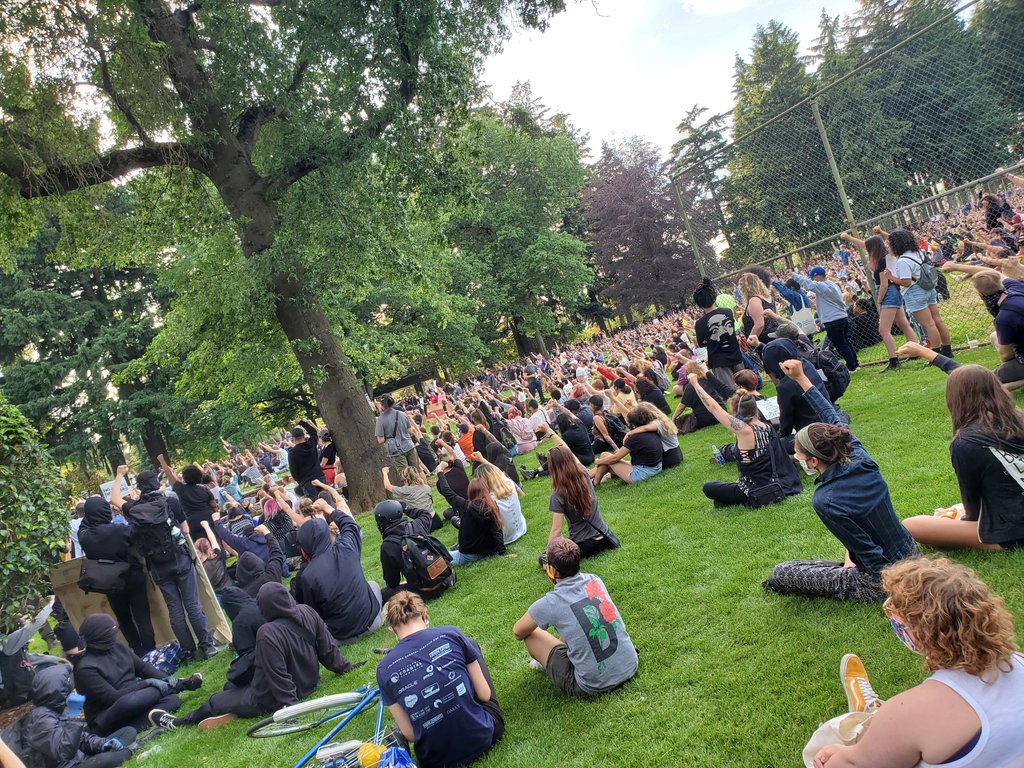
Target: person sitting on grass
[[395, 520], [290, 647], [645, 450], [331, 581], [593, 652], [506, 495], [119, 687], [987, 454], [476, 517], [760, 456], [852, 499], [667, 432], [53, 740], [251, 572], [414, 493], [968, 713], [445, 661], [573, 500]]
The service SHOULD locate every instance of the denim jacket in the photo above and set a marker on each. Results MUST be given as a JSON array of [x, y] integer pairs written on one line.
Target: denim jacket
[[852, 500]]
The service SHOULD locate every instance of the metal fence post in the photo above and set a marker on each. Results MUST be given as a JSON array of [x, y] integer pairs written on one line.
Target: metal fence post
[[843, 198], [689, 229]]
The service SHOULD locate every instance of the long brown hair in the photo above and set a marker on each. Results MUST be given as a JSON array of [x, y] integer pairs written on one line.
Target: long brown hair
[[479, 494], [976, 398], [570, 482]]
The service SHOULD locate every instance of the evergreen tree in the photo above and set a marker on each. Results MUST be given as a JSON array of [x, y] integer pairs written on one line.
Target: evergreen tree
[[996, 24]]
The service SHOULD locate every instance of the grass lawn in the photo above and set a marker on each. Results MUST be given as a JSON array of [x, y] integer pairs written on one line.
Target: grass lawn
[[729, 675]]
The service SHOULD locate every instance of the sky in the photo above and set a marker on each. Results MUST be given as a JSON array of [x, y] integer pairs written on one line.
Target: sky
[[625, 67]]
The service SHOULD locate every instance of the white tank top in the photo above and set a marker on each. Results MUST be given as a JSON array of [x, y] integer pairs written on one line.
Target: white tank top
[[1000, 708]]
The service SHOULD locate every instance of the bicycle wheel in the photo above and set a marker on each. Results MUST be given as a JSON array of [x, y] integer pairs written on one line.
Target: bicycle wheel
[[306, 714]]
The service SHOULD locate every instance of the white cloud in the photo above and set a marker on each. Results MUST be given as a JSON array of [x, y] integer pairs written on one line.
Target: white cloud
[[716, 7]]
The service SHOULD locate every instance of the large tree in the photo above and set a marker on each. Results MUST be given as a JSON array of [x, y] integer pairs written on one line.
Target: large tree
[[639, 241], [258, 99]]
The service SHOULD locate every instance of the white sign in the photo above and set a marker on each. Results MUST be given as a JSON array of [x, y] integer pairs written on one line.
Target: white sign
[[107, 487]]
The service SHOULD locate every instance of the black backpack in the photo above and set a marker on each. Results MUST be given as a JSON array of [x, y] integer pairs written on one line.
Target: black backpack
[[151, 530], [504, 435], [16, 676], [837, 375], [426, 564], [616, 428], [14, 737]]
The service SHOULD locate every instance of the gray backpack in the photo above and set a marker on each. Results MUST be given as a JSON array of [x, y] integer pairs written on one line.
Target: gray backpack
[[929, 277]]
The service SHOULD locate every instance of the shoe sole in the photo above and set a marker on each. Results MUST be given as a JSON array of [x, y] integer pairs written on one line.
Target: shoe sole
[[216, 722]]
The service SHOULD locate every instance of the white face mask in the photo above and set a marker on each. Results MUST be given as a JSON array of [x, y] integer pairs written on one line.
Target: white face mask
[[805, 468]]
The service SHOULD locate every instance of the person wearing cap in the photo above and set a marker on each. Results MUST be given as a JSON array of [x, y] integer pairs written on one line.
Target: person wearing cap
[[592, 653], [395, 520], [304, 459], [393, 430], [851, 498], [831, 312]]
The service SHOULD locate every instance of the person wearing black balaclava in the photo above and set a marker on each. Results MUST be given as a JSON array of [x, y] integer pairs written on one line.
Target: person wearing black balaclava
[[289, 649], [394, 521], [246, 620], [794, 411], [119, 687], [104, 541]]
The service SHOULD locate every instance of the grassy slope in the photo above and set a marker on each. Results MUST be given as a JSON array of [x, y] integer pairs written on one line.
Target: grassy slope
[[729, 675]]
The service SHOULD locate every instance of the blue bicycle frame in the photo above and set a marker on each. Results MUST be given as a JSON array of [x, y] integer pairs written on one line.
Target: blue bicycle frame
[[370, 694]]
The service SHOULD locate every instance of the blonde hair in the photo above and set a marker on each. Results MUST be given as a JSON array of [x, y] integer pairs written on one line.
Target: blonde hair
[[412, 476], [667, 425], [987, 283], [750, 285], [496, 480], [956, 621], [404, 607]]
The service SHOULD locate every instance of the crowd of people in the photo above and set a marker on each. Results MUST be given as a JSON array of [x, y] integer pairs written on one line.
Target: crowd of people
[[269, 531]]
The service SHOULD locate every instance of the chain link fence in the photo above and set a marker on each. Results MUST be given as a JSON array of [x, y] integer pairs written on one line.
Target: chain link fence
[[856, 141]]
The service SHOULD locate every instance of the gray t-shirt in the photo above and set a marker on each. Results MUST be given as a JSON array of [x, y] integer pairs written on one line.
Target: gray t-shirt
[[589, 624], [394, 424], [580, 528], [413, 496]]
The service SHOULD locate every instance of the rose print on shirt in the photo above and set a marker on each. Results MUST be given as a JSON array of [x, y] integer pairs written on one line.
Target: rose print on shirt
[[598, 618]]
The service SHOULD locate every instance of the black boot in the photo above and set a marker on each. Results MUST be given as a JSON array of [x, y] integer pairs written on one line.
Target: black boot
[[894, 363], [946, 350]]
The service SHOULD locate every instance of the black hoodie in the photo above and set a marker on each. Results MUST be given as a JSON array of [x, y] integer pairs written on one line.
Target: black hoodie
[[102, 539], [332, 582], [251, 573], [108, 669], [290, 648], [795, 412], [57, 741]]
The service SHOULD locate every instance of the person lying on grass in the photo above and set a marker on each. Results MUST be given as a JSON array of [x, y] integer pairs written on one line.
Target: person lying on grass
[[987, 454], [968, 713], [593, 652], [290, 647], [852, 499]]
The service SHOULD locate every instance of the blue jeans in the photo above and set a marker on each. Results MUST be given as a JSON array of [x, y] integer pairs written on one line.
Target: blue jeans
[[838, 332], [458, 558], [181, 594]]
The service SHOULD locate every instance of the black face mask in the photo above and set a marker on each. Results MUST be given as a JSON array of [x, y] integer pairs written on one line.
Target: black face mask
[[992, 302]]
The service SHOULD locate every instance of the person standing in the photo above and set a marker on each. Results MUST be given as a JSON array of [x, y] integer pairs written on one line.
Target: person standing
[[831, 312], [919, 294], [716, 331], [304, 459], [392, 431]]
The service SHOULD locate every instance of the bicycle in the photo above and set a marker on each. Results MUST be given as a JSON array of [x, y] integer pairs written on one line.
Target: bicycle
[[341, 707]]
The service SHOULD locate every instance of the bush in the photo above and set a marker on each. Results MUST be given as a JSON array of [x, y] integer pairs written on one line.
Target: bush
[[33, 517]]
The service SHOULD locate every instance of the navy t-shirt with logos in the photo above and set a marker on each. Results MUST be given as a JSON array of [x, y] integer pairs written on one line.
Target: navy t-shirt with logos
[[427, 674]]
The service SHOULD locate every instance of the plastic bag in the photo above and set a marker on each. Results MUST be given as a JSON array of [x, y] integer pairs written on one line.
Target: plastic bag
[[395, 757], [166, 658], [845, 729]]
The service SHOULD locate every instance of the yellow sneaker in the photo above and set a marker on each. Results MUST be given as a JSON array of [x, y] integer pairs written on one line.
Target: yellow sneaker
[[860, 696]]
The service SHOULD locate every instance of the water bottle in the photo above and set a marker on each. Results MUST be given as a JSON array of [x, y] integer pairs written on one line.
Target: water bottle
[[151, 751], [716, 455], [75, 703]]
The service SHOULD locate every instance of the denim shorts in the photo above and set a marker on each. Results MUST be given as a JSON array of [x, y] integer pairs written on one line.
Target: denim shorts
[[640, 472], [892, 297], [915, 299]]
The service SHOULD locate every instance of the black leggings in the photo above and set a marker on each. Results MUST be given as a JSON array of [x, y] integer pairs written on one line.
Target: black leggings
[[725, 494], [112, 759], [591, 547], [132, 710], [238, 701], [672, 458], [131, 607]]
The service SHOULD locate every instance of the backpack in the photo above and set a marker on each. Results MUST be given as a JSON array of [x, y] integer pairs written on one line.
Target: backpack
[[14, 737], [616, 429], [151, 530], [660, 377], [16, 676], [826, 361], [929, 277], [504, 435], [426, 564]]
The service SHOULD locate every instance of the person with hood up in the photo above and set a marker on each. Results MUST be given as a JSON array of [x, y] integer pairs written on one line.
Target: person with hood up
[[987, 453], [795, 412], [851, 498], [331, 581], [246, 620], [289, 649], [56, 740], [395, 520], [252, 572], [119, 687], [108, 545]]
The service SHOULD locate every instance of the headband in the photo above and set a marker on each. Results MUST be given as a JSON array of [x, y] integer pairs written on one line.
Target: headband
[[804, 438]]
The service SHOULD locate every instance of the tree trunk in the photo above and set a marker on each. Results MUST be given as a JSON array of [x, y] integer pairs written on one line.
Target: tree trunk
[[541, 346], [343, 403], [153, 442], [522, 343], [602, 325]]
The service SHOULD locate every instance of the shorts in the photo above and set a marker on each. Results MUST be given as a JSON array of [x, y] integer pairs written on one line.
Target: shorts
[[640, 472], [892, 297], [915, 299], [561, 672]]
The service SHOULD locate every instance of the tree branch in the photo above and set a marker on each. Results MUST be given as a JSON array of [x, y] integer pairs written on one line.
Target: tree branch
[[113, 165], [258, 115]]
